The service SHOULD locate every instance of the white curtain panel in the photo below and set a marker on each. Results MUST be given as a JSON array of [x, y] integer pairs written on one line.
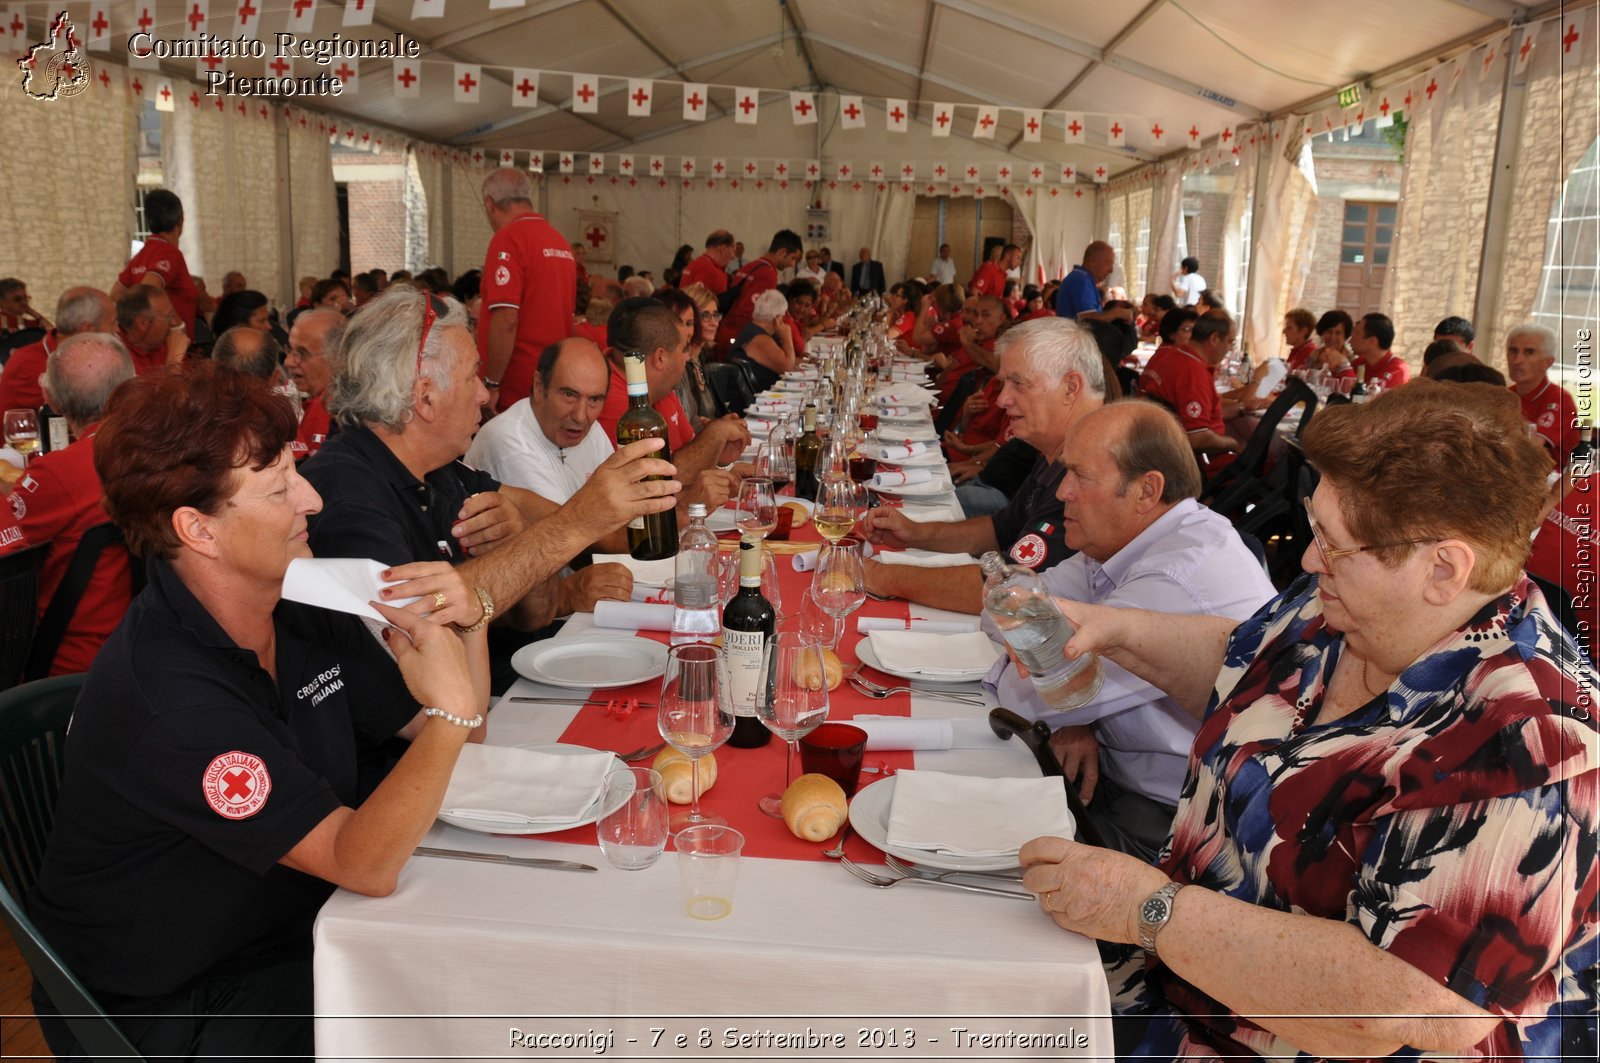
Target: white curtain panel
[[427, 214], [313, 209], [891, 231], [1283, 245], [223, 165], [1062, 226], [1444, 196], [1140, 204], [1165, 217], [1114, 230], [68, 171], [1233, 269], [469, 225], [1559, 122]]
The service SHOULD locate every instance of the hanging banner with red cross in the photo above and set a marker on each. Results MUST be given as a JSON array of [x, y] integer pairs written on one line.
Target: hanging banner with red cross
[[597, 229]]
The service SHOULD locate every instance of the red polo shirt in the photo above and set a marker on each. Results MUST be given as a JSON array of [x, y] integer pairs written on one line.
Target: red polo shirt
[[1184, 381], [164, 259], [1390, 371], [705, 271], [757, 276], [19, 384], [12, 538], [989, 280], [1299, 355], [56, 502], [679, 431], [1549, 409], [313, 430], [144, 360], [10, 323], [529, 268]]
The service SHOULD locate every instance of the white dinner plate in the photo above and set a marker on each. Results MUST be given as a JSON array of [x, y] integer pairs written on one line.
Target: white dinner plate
[[499, 825], [869, 815], [921, 490], [723, 520], [598, 663], [866, 655]]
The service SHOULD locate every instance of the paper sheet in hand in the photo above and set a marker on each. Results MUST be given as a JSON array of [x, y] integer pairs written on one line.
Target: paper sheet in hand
[[343, 584], [523, 785], [967, 816]]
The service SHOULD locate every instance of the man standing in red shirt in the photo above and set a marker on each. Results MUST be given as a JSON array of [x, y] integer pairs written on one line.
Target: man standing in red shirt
[[530, 285], [1530, 352], [78, 310], [1184, 379], [753, 278], [58, 499], [313, 334], [711, 268], [149, 327], [1371, 340], [991, 276], [159, 263]]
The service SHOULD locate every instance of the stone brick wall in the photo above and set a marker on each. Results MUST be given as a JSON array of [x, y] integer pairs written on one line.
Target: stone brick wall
[[375, 185], [1364, 174]]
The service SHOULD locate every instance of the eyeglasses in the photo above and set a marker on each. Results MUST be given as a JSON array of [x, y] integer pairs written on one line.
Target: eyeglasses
[[710, 315], [1330, 554], [433, 308]]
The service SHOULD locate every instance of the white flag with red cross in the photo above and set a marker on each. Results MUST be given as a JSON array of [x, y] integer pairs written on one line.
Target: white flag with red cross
[[719, 167], [524, 87], [746, 106], [408, 80], [983, 126], [247, 20], [1116, 131], [641, 94], [694, 102], [100, 27], [896, 115], [536, 162], [564, 163], [349, 75], [597, 164], [508, 158], [302, 16], [658, 166], [851, 114], [359, 12], [1032, 126], [585, 94], [803, 108], [163, 94], [686, 168], [1073, 128], [468, 83], [944, 116]]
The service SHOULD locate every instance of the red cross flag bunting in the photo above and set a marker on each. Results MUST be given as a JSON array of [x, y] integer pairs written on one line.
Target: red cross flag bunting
[[1035, 174], [781, 168], [896, 116], [694, 102], [247, 20], [1073, 128], [625, 165], [686, 167], [658, 166], [813, 169], [1032, 126], [564, 163], [349, 75], [508, 158], [908, 171], [803, 108], [641, 93], [468, 83], [408, 81], [1100, 175], [944, 116], [536, 162], [844, 171], [851, 114], [719, 168], [940, 171], [751, 168], [280, 66], [1494, 51], [359, 12], [746, 106], [302, 13], [1116, 131], [1525, 48], [983, 126], [876, 171], [196, 17], [207, 62], [100, 27], [1068, 175], [597, 165], [163, 95], [1158, 133], [427, 9], [585, 94], [1003, 174]]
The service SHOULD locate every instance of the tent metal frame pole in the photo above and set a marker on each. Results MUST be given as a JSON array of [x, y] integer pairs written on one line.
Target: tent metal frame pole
[[1502, 181]]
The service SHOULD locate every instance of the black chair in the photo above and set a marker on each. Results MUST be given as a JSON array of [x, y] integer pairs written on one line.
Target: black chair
[[1245, 481], [965, 387], [33, 734], [18, 339], [69, 593], [1128, 378], [19, 608], [730, 383]]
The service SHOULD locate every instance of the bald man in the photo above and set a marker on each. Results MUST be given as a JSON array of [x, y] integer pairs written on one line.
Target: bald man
[[78, 310], [314, 334], [1078, 297]]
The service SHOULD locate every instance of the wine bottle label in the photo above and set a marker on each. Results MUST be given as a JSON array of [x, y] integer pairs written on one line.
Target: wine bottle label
[[637, 523], [745, 652]]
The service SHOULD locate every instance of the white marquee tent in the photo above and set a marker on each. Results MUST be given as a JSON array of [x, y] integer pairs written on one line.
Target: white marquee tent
[[1084, 115]]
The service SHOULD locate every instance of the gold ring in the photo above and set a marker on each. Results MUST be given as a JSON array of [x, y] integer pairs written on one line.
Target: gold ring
[[438, 600]]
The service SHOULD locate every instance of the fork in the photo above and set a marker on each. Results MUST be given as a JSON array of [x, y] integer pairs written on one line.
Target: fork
[[642, 752], [883, 882], [939, 876], [878, 693]]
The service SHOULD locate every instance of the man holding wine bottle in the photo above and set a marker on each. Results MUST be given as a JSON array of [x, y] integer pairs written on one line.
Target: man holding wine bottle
[[1052, 374]]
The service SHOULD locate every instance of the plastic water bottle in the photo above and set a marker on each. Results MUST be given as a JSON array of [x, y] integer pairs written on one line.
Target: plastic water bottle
[[1036, 631], [696, 608]]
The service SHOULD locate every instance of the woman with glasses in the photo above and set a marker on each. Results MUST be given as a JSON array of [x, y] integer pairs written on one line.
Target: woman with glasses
[[1390, 804], [696, 307]]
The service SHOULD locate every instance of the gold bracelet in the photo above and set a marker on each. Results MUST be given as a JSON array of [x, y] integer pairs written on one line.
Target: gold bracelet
[[487, 604]]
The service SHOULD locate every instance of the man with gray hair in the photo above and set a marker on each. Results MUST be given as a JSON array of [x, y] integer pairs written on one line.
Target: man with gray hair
[[78, 310], [1530, 352], [1052, 375], [406, 394], [530, 286], [59, 498], [313, 335]]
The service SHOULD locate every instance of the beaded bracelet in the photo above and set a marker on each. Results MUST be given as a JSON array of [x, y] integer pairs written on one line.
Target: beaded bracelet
[[450, 717]]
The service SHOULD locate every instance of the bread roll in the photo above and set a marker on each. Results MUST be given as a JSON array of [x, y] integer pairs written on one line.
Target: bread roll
[[831, 666], [677, 774], [801, 513], [814, 808]]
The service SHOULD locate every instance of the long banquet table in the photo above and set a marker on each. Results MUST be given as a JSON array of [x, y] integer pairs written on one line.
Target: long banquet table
[[473, 960]]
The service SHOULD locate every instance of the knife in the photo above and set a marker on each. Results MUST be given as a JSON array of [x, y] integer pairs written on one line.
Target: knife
[[500, 858], [574, 701]]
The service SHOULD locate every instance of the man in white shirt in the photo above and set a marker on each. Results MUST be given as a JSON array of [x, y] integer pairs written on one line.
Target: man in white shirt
[[943, 270], [1143, 542], [1187, 284]]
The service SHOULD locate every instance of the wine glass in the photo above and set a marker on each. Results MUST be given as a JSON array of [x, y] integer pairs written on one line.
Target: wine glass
[[758, 510], [839, 505], [840, 583], [695, 715], [795, 701], [775, 461], [22, 432]]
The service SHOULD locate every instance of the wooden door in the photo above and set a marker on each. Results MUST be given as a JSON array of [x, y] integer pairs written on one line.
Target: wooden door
[[1368, 235], [924, 237]]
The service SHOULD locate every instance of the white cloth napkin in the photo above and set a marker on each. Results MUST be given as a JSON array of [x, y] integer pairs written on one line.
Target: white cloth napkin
[[523, 785], [956, 654], [807, 562], [928, 559], [865, 624], [962, 815], [893, 451], [903, 478], [905, 732], [905, 396], [343, 584], [656, 574], [634, 616]]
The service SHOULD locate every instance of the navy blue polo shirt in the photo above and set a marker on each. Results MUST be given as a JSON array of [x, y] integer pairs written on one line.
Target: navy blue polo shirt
[[1029, 530], [189, 775], [373, 507]]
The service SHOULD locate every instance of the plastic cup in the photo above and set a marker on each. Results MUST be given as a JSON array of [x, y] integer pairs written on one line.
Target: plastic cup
[[835, 750], [708, 864], [634, 832]]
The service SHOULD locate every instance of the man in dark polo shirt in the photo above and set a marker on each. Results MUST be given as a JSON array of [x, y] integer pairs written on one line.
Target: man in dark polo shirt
[[212, 800], [406, 394], [1052, 374]]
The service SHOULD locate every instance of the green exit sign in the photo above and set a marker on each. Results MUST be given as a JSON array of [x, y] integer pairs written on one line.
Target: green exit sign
[[1350, 96]]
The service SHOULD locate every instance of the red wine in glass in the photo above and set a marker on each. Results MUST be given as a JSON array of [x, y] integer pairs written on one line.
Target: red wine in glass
[[869, 422], [861, 469]]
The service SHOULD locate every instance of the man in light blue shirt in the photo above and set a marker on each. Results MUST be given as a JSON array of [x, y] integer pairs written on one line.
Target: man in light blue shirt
[[1143, 542]]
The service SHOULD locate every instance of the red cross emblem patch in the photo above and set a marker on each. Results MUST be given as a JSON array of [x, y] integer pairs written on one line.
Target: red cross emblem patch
[[1030, 551], [502, 276], [1193, 410], [1547, 419], [236, 785]]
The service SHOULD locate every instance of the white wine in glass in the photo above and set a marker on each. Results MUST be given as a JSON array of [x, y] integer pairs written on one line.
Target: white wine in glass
[[839, 506], [695, 715], [758, 508], [22, 431]]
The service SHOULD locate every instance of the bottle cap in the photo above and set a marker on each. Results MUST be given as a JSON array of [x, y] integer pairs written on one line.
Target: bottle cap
[[633, 370], [697, 509]]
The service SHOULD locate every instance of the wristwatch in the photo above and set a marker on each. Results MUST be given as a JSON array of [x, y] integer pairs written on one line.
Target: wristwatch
[[486, 603], [1154, 913]]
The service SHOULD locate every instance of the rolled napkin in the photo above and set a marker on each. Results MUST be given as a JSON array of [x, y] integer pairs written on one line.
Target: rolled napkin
[[658, 574], [905, 396], [903, 478], [343, 584], [653, 595], [865, 624], [961, 815], [634, 616], [524, 786], [770, 407], [928, 559], [915, 651], [906, 732], [893, 451], [807, 562], [900, 411]]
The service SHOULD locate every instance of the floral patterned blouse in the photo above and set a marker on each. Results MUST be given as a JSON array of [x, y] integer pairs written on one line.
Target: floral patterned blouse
[[1452, 820]]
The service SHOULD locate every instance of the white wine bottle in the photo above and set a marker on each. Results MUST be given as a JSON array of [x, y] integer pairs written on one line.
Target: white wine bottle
[[654, 536]]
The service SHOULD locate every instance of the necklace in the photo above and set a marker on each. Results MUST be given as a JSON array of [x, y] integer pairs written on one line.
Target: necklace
[[1364, 682]]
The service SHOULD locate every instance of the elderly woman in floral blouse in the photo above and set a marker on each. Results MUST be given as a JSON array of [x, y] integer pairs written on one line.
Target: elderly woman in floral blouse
[[1386, 840]]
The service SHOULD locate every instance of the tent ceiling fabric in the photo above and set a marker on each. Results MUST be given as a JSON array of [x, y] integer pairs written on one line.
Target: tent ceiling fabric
[[1150, 59]]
